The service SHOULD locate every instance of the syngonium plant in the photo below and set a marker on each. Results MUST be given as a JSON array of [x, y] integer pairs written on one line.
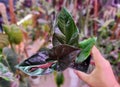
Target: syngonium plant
[[67, 51]]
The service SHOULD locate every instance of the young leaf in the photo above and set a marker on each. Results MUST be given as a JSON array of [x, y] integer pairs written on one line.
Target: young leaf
[[5, 73], [85, 52], [86, 42], [64, 55], [67, 32]]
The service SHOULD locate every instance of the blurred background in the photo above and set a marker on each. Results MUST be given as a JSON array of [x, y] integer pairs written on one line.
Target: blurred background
[[36, 20]]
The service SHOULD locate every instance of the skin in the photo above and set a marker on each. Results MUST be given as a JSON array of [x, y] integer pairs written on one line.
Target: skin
[[102, 75]]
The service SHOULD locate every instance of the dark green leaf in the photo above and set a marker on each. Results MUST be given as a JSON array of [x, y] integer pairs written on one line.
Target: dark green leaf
[[44, 62], [36, 59], [85, 52], [64, 55], [81, 66], [67, 32]]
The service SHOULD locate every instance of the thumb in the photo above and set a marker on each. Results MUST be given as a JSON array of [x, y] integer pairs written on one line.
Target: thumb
[[83, 76]]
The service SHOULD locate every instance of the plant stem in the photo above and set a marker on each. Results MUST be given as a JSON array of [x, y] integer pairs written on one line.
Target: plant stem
[[95, 15], [12, 14], [12, 46], [86, 21]]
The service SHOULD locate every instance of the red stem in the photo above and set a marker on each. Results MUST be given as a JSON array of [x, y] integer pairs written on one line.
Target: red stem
[[12, 14], [43, 66]]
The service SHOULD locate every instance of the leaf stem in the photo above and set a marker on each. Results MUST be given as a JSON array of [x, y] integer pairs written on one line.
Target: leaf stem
[[86, 21], [12, 14]]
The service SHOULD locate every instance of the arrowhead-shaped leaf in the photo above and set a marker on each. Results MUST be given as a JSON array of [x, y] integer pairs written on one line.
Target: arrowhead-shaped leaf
[[36, 64], [44, 62], [64, 55], [66, 31], [36, 59]]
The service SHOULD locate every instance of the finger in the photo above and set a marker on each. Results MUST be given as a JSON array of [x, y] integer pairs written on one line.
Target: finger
[[97, 57], [83, 76]]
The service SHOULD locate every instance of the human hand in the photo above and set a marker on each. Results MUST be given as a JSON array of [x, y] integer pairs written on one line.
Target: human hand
[[102, 75]]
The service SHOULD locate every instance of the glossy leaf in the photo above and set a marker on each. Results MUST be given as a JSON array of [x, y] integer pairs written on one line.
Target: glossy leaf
[[34, 70], [5, 73], [44, 62], [85, 52], [83, 44], [81, 66], [64, 55], [36, 64], [66, 31], [36, 59]]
